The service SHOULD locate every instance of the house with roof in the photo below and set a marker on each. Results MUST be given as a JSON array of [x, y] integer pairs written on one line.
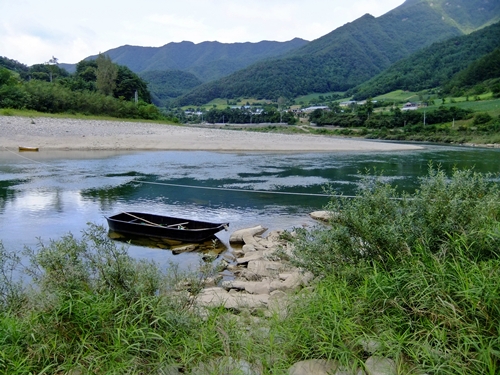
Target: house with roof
[[410, 107]]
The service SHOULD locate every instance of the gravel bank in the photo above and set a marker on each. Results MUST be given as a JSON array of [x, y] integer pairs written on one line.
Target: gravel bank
[[72, 134]]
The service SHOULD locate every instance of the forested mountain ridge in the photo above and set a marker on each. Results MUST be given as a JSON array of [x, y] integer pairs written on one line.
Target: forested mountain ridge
[[168, 84], [206, 60], [432, 66], [351, 54]]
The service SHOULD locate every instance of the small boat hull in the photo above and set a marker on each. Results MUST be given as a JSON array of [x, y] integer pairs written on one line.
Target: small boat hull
[[174, 228]]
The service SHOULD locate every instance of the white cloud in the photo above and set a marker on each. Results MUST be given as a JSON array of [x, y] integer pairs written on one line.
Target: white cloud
[[31, 31]]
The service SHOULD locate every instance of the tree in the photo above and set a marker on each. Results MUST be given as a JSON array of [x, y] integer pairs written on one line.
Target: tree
[[127, 83], [106, 75], [281, 104], [53, 62]]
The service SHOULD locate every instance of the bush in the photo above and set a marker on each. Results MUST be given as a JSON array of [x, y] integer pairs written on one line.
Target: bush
[[413, 277], [383, 226], [482, 118]]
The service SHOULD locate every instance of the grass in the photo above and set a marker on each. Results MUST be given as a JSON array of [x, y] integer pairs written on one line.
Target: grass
[[77, 116], [416, 276], [398, 96], [409, 276]]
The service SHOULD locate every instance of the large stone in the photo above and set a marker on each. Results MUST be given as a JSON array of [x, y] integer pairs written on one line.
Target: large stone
[[226, 365], [321, 215], [237, 236], [215, 297], [380, 366], [314, 367], [322, 367], [297, 280], [251, 256], [184, 249], [252, 287], [248, 248], [253, 241], [264, 268]]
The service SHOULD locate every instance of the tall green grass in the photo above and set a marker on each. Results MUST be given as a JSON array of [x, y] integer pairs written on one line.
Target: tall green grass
[[414, 277], [417, 275]]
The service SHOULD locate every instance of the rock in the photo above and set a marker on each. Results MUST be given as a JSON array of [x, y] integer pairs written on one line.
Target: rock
[[275, 236], [252, 240], [380, 366], [184, 249], [215, 297], [252, 287], [238, 235], [314, 367], [296, 280], [321, 215], [370, 346], [251, 256], [226, 365], [168, 370], [248, 248], [263, 268], [212, 281]]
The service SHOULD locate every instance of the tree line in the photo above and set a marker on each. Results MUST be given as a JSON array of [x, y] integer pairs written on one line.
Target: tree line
[[364, 116], [98, 87]]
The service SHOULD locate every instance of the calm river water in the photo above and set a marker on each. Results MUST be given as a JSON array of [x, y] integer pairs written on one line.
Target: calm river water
[[48, 194]]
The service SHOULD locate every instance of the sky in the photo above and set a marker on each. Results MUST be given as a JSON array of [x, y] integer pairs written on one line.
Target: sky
[[34, 31]]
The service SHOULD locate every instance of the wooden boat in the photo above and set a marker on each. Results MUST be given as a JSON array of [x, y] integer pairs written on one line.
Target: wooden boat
[[144, 224], [24, 148]]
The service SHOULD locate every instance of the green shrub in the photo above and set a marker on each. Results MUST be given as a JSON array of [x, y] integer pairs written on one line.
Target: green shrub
[[383, 226], [415, 276], [482, 118]]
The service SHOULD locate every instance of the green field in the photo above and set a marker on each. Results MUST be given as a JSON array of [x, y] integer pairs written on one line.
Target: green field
[[398, 96]]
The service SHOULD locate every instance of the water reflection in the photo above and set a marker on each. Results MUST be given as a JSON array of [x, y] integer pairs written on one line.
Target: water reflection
[[211, 247]]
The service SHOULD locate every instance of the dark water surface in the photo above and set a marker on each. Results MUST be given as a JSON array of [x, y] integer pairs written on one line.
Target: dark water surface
[[48, 194]]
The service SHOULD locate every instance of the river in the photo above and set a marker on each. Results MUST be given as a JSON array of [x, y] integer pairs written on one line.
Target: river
[[45, 195]]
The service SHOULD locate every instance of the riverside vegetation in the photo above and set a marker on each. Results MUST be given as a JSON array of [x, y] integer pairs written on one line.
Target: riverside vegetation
[[410, 276]]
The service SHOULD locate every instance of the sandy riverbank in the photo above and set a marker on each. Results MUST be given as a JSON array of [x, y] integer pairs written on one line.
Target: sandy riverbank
[[72, 134]]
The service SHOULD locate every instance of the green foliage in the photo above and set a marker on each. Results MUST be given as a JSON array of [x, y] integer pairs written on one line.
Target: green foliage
[[94, 309], [350, 55], [46, 72], [413, 277], [79, 92], [482, 69], [166, 85], [408, 276], [482, 118], [363, 116], [14, 66], [106, 74], [384, 227], [243, 116], [436, 65]]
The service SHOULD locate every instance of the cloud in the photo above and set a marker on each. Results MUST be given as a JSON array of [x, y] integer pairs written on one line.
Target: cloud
[[31, 31]]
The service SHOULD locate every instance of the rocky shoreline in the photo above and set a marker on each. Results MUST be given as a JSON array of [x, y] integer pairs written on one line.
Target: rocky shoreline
[[266, 283]]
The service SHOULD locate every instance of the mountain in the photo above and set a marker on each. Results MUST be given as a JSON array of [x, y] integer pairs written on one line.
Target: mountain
[[432, 66], [353, 53], [207, 60], [482, 69], [168, 84]]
